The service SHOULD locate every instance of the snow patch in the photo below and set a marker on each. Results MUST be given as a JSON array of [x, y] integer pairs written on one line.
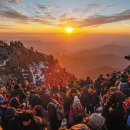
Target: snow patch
[[37, 72]]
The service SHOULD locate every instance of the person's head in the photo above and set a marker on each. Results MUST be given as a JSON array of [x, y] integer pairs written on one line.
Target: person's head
[[39, 110], [34, 100], [101, 76], [108, 75], [16, 86], [96, 121], [76, 101], [63, 92], [14, 102], [27, 118], [51, 108], [73, 92], [124, 78], [43, 90], [88, 78]]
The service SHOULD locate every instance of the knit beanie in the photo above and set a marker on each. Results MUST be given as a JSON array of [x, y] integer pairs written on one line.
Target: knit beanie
[[96, 121], [76, 100]]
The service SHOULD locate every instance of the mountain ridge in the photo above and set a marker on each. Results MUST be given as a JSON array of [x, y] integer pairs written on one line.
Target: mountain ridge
[[88, 59]]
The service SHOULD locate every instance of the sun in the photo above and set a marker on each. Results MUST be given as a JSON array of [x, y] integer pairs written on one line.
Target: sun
[[69, 29]]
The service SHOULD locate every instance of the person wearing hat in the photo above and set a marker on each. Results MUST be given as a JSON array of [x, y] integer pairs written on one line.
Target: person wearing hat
[[68, 100], [76, 113], [95, 122]]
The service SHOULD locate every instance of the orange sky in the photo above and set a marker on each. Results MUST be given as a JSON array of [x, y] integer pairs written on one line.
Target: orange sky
[[121, 27], [85, 16]]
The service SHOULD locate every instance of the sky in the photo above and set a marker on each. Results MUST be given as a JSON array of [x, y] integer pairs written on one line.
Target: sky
[[52, 16]]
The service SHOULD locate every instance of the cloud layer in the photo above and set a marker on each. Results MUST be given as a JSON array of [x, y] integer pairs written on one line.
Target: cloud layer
[[97, 20], [13, 14], [44, 14]]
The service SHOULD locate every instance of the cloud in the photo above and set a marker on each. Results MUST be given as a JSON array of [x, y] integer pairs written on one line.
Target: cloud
[[13, 14], [5, 2], [97, 20], [100, 19], [42, 7], [43, 14], [87, 10], [95, 6], [47, 19], [8, 12], [76, 17], [14, 1], [46, 7], [19, 17]]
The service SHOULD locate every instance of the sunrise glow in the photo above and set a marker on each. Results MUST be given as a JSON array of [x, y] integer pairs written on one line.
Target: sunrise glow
[[66, 17], [69, 29]]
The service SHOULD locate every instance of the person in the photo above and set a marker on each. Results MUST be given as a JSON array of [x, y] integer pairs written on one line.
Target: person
[[88, 99], [76, 113], [19, 93], [126, 105], [11, 119], [88, 81], [45, 98], [98, 84], [41, 112], [3, 108], [14, 102], [114, 112], [34, 100], [69, 100], [52, 112], [95, 122], [30, 122], [124, 85]]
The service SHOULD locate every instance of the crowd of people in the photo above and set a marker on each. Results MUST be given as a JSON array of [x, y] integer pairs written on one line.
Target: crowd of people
[[103, 104]]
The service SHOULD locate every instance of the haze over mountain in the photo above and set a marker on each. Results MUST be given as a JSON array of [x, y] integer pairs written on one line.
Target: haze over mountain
[[80, 54], [62, 43], [92, 62]]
